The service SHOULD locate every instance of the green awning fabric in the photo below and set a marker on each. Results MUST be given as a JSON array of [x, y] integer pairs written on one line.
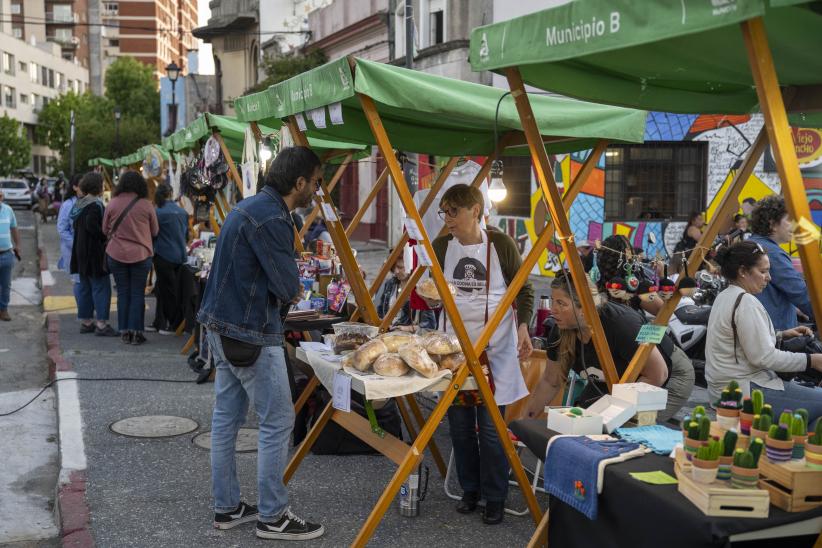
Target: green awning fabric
[[138, 156], [431, 114], [683, 56], [101, 162]]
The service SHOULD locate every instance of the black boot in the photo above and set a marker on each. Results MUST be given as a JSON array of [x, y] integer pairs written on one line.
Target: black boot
[[468, 503], [493, 512]]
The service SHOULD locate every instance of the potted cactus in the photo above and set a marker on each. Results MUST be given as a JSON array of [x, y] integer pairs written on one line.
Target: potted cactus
[[706, 462], [729, 406], [813, 448], [726, 457], [697, 435], [746, 416], [760, 426], [745, 468], [799, 433], [778, 443]]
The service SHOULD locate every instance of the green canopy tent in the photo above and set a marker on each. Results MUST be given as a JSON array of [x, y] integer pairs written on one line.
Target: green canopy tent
[[94, 162], [687, 57], [365, 102]]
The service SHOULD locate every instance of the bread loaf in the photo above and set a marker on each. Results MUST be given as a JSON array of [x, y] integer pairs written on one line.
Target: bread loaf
[[452, 361], [441, 343], [428, 290], [348, 341], [395, 340], [390, 365], [365, 355], [418, 359]]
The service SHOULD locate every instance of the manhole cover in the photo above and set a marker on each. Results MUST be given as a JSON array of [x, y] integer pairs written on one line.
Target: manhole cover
[[246, 440], [154, 426]]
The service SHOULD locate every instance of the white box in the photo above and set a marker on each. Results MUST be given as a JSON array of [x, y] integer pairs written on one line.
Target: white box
[[644, 396], [588, 423], [614, 412]]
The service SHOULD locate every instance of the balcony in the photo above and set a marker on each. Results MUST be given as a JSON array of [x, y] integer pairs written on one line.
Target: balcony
[[65, 42], [62, 18]]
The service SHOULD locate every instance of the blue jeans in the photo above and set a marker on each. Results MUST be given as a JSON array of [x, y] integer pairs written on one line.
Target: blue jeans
[[482, 466], [794, 397], [266, 384], [131, 292], [6, 268], [93, 295]]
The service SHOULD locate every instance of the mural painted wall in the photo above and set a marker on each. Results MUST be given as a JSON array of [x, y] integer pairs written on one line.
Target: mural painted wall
[[729, 139]]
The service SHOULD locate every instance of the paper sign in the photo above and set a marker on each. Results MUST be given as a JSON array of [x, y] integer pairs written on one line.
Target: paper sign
[[342, 392], [335, 112], [657, 477], [422, 255], [329, 213], [300, 121], [650, 333], [318, 117], [414, 231]]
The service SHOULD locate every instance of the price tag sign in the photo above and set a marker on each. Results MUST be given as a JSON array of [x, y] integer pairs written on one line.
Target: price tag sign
[[336, 114], [422, 255], [341, 398], [328, 211], [318, 117], [414, 231], [650, 333], [300, 121]]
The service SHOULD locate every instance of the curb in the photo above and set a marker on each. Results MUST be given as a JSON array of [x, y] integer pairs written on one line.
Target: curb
[[71, 510]]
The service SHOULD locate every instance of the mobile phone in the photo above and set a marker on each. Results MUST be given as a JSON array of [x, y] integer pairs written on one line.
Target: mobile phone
[[17, 254]]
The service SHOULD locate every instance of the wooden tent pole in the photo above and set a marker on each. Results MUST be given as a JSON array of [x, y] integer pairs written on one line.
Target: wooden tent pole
[[779, 134], [553, 200], [316, 211], [413, 456], [727, 207], [372, 195]]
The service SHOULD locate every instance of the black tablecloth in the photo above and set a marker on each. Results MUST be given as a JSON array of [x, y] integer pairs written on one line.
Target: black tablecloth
[[636, 514]]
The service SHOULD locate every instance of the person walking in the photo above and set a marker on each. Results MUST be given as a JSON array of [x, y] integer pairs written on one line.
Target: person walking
[[130, 223], [253, 281], [169, 258], [41, 191], [9, 247], [88, 258]]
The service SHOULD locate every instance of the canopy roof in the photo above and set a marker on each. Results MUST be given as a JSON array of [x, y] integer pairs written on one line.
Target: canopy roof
[[686, 57], [101, 162], [430, 114], [138, 156]]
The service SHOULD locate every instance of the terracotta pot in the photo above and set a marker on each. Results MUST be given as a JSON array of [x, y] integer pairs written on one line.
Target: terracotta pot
[[762, 434], [727, 418], [813, 455], [799, 446], [745, 422], [744, 478], [724, 470], [691, 446], [704, 471], [778, 450]]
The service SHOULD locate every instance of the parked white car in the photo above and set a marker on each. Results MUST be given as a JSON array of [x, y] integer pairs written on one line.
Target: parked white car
[[16, 192]]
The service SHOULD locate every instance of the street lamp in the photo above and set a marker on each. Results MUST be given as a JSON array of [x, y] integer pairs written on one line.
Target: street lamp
[[117, 114], [173, 72]]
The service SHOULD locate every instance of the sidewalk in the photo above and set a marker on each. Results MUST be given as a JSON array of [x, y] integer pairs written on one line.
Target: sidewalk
[[156, 492]]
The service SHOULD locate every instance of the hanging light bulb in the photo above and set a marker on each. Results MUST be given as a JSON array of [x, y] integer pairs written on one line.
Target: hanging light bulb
[[265, 153], [496, 190]]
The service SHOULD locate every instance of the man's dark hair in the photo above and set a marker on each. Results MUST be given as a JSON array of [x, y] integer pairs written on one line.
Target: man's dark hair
[[769, 210], [92, 183], [162, 195], [131, 181], [289, 165], [463, 195], [74, 182]]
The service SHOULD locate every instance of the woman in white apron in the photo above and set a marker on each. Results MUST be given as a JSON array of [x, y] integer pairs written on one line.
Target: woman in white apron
[[467, 260]]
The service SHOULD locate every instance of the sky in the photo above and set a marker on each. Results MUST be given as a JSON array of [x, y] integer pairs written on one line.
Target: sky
[[206, 60]]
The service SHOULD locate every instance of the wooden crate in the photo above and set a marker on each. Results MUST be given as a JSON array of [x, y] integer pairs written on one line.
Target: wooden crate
[[720, 500], [793, 486]]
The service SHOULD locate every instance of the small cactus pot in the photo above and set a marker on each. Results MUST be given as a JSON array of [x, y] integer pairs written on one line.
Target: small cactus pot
[[704, 471], [778, 450], [691, 447], [727, 418], [761, 434], [724, 470], [799, 447], [813, 455], [744, 478], [745, 422]]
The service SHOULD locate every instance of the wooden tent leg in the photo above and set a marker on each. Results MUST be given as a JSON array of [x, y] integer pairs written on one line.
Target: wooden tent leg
[[779, 133], [188, 345], [312, 385], [435, 452], [180, 328], [727, 207], [554, 202], [540, 536], [308, 443]]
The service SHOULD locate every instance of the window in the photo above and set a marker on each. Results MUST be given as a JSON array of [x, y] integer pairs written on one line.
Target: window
[[62, 13], [436, 34], [36, 101], [657, 180], [58, 80], [33, 70], [44, 75], [63, 35], [16, 9], [516, 174], [22, 67], [111, 8], [9, 94], [24, 99], [8, 63], [114, 43], [51, 78], [17, 32]]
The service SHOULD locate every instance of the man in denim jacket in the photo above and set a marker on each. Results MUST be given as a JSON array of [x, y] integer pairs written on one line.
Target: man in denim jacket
[[253, 280]]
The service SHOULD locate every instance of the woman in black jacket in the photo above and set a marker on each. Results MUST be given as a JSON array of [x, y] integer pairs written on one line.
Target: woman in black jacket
[[88, 259]]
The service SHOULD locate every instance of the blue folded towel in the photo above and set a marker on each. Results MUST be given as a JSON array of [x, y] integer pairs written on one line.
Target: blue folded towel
[[659, 439], [572, 469]]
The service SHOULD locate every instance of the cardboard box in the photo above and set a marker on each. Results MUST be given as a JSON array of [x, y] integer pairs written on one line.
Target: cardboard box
[[614, 412], [559, 422], [644, 396]]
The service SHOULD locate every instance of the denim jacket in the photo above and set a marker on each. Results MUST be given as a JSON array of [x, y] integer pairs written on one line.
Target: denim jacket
[[253, 276]]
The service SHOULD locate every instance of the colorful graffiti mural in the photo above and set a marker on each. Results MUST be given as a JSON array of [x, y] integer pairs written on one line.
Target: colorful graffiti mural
[[730, 137]]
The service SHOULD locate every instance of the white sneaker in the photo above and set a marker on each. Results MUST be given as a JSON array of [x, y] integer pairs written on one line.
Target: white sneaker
[[166, 332]]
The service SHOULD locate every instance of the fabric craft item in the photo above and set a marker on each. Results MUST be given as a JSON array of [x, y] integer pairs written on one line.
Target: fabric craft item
[[659, 439], [575, 465]]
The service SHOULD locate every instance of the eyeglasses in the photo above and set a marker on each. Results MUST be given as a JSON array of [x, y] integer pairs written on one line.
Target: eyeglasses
[[450, 211]]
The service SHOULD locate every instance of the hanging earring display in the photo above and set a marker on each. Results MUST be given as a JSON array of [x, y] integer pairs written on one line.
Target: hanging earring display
[[594, 273], [687, 285], [631, 281]]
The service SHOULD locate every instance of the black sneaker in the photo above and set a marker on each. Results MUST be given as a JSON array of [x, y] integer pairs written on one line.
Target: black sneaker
[[138, 338], [126, 337], [90, 328], [242, 514], [289, 527], [107, 331]]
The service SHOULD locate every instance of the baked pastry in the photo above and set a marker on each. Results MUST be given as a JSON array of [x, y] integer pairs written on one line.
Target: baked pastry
[[428, 290], [418, 359], [452, 361], [390, 365], [365, 355], [348, 341], [441, 343], [394, 340]]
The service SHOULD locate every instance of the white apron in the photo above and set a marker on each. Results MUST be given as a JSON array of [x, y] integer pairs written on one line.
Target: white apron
[[465, 268]]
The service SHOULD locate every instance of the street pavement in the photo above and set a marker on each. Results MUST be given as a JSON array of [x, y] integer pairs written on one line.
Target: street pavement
[[29, 444], [156, 492]]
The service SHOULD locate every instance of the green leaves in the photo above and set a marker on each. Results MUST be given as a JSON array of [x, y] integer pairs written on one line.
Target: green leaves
[[15, 149]]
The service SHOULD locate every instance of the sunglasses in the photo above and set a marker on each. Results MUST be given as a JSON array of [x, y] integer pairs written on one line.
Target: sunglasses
[[450, 211]]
